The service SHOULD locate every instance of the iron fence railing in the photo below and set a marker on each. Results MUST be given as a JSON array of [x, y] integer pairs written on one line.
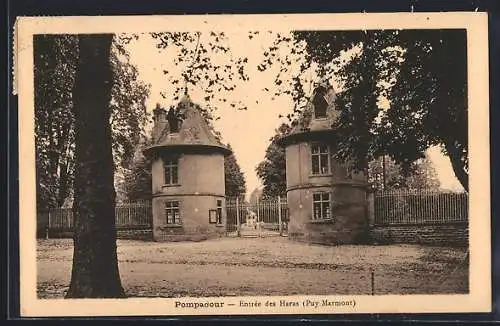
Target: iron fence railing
[[422, 207], [127, 215]]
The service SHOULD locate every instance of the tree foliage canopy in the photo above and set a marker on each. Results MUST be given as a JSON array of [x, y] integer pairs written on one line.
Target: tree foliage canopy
[[422, 175], [137, 177], [55, 61], [54, 70], [403, 91], [234, 178], [272, 170], [203, 61]]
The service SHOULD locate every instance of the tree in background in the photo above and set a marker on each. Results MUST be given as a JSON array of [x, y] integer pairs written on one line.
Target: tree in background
[[255, 196], [137, 177], [272, 170], [234, 177], [421, 75], [55, 65], [421, 176], [95, 265]]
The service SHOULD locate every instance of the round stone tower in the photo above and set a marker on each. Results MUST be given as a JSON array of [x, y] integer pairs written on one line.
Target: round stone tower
[[187, 175], [326, 198]]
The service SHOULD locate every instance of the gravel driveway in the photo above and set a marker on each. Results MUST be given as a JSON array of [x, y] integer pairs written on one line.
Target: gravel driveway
[[264, 266]]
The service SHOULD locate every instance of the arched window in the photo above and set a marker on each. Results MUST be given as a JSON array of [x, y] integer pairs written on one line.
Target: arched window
[[320, 103]]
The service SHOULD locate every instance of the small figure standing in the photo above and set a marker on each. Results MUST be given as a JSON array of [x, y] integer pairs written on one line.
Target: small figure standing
[[251, 219]]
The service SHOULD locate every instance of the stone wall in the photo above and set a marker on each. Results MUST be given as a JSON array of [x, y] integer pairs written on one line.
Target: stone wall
[[453, 234], [144, 234], [450, 234]]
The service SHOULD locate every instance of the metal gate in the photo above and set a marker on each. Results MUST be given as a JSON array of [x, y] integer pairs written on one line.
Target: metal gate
[[264, 218]]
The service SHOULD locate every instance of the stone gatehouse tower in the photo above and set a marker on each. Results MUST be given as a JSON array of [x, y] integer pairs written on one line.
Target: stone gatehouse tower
[[187, 175], [326, 199]]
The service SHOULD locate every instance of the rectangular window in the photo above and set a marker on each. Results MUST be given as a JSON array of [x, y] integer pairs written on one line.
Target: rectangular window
[[173, 212], [219, 211], [171, 167], [321, 206], [320, 159]]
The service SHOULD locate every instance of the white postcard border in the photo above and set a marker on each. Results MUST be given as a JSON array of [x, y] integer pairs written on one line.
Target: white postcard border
[[479, 298]]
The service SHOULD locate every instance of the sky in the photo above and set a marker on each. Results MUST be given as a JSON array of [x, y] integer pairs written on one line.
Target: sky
[[248, 131]]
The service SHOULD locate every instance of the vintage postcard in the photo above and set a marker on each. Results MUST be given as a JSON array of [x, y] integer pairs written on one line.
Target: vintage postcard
[[254, 164]]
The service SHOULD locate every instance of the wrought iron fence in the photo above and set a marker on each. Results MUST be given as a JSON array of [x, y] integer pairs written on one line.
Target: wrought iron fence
[[127, 215], [134, 214], [422, 207], [265, 217]]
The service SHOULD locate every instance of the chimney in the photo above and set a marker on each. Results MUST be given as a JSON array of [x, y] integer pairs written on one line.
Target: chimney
[[160, 122], [159, 114]]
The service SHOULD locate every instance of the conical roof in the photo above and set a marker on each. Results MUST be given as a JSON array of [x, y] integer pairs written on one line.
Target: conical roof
[[317, 117], [192, 130]]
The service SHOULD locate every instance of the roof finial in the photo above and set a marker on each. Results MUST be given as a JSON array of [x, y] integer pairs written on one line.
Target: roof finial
[[185, 85]]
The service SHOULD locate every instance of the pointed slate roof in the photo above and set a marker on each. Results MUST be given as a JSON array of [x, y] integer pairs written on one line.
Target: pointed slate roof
[[193, 131]]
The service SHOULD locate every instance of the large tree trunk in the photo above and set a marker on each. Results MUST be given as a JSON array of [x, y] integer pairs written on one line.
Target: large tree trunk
[[95, 266], [458, 165]]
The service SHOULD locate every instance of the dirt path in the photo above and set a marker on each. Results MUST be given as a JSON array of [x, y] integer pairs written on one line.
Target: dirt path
[[264, 266]]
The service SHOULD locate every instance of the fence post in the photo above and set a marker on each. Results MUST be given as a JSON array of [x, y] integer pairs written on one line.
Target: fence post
[[48, 227], [372, 281], [371, 209], [280, 225], [258, 217], [238, 224]]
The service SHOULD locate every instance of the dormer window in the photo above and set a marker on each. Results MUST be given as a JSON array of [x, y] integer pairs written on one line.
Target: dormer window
[[173, 121], [320, 104]]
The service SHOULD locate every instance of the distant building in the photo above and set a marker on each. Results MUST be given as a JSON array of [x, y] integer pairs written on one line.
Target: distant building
[[187, 175], [326, 199]]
